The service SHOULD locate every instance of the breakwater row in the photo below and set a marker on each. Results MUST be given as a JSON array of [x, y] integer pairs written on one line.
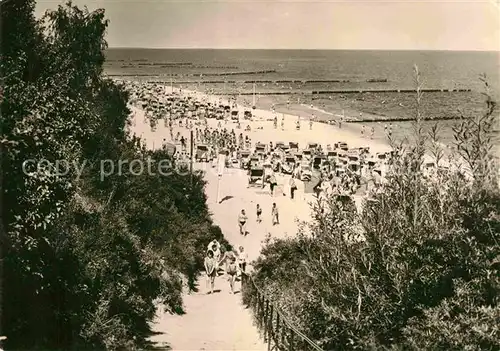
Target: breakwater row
[[396, 119], [349, 92], [256, 81], [243, 73], [387, 91], [174, 64], [146, 62]]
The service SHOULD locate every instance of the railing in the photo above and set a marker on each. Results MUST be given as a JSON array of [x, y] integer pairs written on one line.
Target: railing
[[279, 332]]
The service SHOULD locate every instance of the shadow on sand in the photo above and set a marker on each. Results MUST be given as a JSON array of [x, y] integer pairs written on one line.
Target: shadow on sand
[[228, 197], [155, 346]]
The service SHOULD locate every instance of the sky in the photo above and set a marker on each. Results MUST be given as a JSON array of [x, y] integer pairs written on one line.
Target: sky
[[315, 24]]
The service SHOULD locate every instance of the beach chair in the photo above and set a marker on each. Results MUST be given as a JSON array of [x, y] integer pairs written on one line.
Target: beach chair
[[256, 177]]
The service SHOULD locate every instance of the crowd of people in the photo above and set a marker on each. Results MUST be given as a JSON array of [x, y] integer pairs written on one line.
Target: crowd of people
[[178, 110], [222, 262], [351, 171]]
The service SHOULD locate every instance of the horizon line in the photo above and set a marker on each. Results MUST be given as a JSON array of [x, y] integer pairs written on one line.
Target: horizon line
[[294, 49]]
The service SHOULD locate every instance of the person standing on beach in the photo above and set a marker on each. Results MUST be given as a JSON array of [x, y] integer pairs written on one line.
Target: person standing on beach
[[283, 122], [242, 220], [293, 187], [275, 214], [362, 131], [259, 213], [311, 122], [211, 270], [272, 183], [183, 143], [372, 133]]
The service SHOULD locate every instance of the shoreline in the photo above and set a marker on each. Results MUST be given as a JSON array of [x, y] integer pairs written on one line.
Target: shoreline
[[321, 132]]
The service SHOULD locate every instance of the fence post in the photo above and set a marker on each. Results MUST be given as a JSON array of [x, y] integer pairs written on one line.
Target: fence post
[[277, 336], [266, 321], [261, 304], [270, 336], [258, 301], [283, 334]]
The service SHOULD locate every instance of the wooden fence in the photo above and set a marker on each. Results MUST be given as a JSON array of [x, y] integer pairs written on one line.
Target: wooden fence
[[279, 333]]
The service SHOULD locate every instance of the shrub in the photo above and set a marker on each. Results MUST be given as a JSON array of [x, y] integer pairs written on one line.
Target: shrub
[[424, 274]]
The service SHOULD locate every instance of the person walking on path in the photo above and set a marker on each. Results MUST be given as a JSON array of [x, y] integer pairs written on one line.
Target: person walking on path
[[242, 259], [242, 220], [210, 268], [275, 214], [293, 187], [226, 258], [216, 254], [259, 213], [232, 270], [212, 243]]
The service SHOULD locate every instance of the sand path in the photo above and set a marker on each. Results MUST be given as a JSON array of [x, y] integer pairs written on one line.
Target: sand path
[[220, 321], [212, 322]]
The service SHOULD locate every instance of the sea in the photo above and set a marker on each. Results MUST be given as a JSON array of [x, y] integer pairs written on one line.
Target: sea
[[305, 71], [438, 69]]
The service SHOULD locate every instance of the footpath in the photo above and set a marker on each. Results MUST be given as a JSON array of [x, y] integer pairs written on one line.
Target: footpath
[[214, 322]]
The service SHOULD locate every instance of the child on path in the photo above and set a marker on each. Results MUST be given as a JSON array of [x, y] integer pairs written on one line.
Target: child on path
[[275, 214], [210, 268], [259, 213]]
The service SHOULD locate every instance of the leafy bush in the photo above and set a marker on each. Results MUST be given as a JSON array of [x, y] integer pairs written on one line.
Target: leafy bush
[[418, 268], [85, 260]]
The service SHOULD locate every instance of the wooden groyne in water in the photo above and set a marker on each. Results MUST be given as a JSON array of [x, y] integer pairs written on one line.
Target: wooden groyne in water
[[347, 92], [396, 119], [388, 91], [243, 73], [248, 81]]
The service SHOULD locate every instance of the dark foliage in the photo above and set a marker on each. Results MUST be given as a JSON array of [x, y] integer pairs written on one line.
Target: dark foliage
[[86, 260]]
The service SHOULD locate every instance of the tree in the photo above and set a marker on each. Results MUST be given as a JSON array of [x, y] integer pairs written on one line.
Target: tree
[[85, 259]]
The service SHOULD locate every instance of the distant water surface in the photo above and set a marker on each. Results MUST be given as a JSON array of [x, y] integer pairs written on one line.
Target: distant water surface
[[439, 69]]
